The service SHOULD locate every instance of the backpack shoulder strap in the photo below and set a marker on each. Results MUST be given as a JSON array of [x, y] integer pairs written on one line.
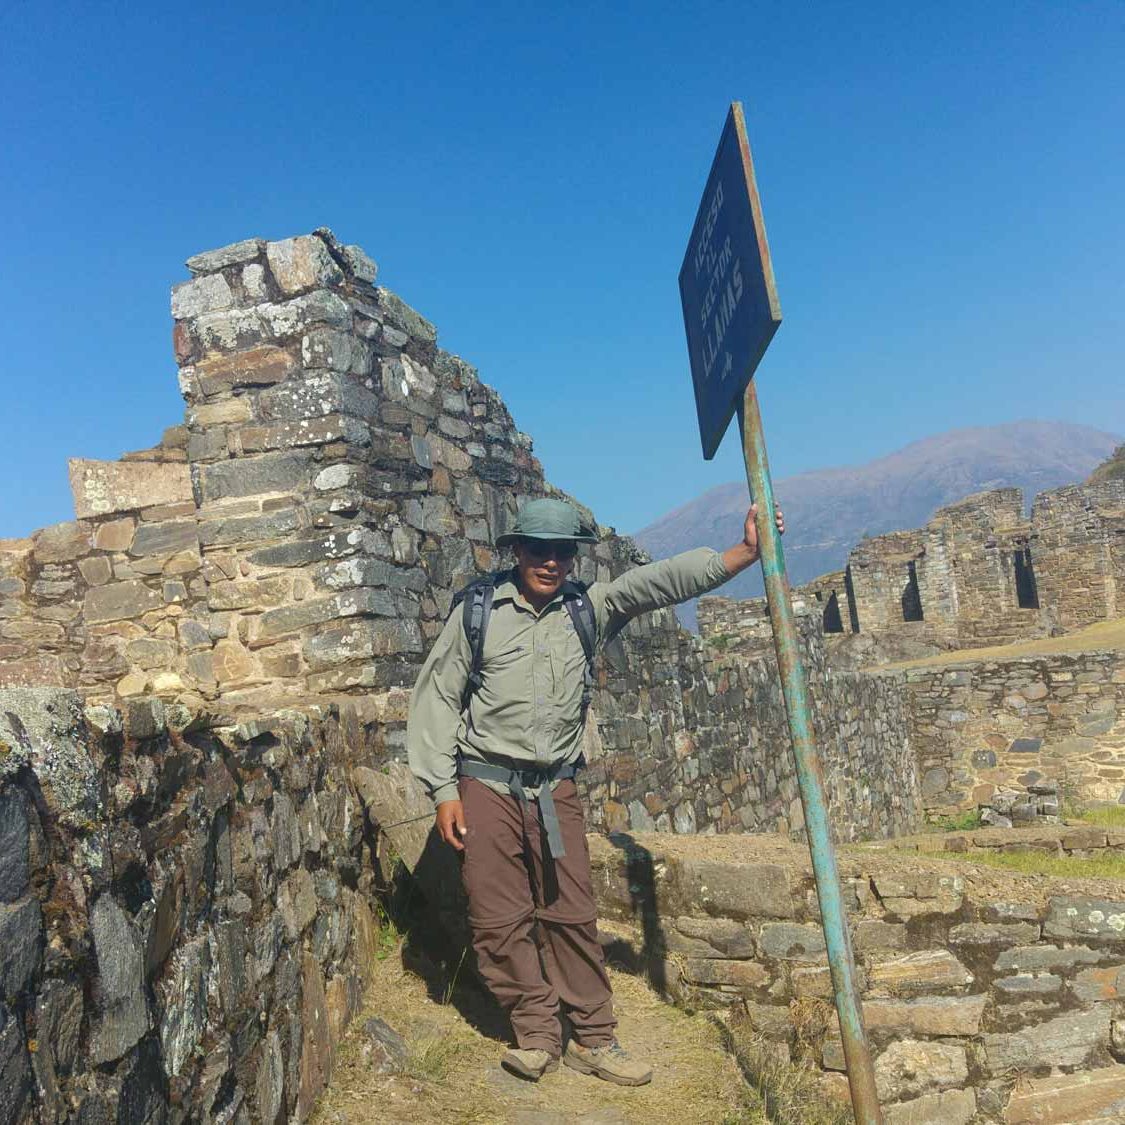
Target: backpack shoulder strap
[[476, 607], [581, 610]]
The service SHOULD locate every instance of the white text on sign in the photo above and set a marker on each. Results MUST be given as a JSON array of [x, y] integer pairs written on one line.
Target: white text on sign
[[723, 274]]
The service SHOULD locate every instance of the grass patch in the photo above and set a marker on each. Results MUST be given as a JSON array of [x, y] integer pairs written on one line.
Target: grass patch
[[960, 822], [790, 1091], [1107, 816], [1111, 866], [432, 1060]]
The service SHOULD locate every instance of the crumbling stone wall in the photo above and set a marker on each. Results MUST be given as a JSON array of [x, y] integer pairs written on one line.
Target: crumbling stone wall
[[299, 539], [978, 574], [986, 998], [1080, 552], [980, 726], [185, 911]]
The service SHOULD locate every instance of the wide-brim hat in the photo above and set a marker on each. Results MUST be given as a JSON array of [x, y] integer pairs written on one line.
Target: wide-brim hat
[[548, 519]]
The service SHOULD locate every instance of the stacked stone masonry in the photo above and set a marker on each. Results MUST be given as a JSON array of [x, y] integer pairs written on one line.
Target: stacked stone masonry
[[337, 478], [186, 912], [977, 727], [984, 1002], [977, 574]]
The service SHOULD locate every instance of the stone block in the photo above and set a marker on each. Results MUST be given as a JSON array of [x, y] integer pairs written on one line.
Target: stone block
[[61, 542], [909, 1068], [302, 263], [103, 487], [124, 1017], [166, 538], [1069, 1040], [869, 935], [230, 530], [986, 933], [400, 314], [209, 293], [1044, 958], [729, 938], [21, 944], [1094, 1095], [235, 254], [258, 367], [791, 941], [183, 1004], [359, 263], [1083, 838], [950, 1107], [735, 890], [1026, 985], [253, 476], [15, 868], [719, 971], [15, 1070], [1079, 917], [932, 970], [1092, 985], [120, 601], [296, 903], [928, 1015], [316, 1049]]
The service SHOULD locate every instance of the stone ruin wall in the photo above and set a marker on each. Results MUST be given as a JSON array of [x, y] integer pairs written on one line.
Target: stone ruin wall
[[197, 669], [984, 726], [337, 477], [978, 574], [986, 997], [186, 913]]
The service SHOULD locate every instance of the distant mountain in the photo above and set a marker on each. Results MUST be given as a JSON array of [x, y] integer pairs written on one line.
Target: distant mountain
[[829, 510]]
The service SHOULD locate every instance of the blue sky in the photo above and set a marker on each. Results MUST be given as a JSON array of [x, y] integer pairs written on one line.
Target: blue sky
[[943, 188]]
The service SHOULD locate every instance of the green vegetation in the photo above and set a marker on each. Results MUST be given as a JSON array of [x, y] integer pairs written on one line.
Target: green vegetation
[[721, 641], [1105, 816], [1109, 866], [1111, 469], [960, 822]]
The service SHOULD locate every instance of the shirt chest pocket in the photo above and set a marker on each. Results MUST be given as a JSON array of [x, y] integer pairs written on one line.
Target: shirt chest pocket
[[568, 660]]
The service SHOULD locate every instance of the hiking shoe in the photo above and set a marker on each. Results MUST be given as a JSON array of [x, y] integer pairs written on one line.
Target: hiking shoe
[[531, 1064], [610, 1062]]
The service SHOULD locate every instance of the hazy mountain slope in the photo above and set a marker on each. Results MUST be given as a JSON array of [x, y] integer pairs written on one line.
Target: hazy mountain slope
[[829, 510]]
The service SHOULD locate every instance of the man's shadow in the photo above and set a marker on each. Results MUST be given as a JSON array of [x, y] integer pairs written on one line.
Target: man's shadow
[[638, 872]]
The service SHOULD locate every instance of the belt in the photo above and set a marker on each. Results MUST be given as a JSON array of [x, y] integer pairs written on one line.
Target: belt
[[517, 779]]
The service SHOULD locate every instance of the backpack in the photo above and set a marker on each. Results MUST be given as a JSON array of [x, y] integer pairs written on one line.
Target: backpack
[[476, 608]]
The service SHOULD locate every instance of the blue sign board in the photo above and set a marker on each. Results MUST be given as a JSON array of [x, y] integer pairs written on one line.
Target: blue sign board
[[731, 310]]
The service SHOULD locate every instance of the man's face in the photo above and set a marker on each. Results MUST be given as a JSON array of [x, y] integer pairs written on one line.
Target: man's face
[[543, 566]]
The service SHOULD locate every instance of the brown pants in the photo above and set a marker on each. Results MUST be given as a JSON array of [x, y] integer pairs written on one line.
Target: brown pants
[[535, 924]]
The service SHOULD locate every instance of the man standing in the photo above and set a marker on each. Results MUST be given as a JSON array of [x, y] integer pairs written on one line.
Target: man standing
[[496, 737]]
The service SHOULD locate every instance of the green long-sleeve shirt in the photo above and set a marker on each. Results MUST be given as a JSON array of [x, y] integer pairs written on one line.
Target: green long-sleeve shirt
[[529, 706]]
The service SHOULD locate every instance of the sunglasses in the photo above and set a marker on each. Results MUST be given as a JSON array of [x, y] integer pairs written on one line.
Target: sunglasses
[[545, 549]]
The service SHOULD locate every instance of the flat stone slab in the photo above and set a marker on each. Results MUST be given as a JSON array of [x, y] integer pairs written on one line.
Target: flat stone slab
[[1096, 1095], [102, 487]]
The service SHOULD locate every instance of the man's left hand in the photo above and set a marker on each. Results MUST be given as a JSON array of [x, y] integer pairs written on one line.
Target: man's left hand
[[750, 530]]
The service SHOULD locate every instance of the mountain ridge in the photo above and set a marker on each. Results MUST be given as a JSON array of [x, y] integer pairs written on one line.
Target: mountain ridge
[[828, 511]]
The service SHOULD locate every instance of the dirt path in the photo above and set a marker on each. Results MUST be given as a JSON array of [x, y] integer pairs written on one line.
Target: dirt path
[[452, 1073]]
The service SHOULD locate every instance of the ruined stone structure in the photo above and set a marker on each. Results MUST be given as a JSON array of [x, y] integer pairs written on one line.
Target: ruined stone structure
[[986, 997], [185, 914], [978, 574], [196, 670], [980, 726]]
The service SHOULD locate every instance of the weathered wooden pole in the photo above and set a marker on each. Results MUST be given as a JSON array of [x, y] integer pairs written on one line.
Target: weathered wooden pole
[[794, 687]]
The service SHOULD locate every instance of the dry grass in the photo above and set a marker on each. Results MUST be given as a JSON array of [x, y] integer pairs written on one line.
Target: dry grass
[[789, 1092], [452, 1074], [1030, 862], [1101, 637]]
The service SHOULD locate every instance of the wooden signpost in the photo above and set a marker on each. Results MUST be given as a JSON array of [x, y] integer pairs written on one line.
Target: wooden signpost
[[731, 312]]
